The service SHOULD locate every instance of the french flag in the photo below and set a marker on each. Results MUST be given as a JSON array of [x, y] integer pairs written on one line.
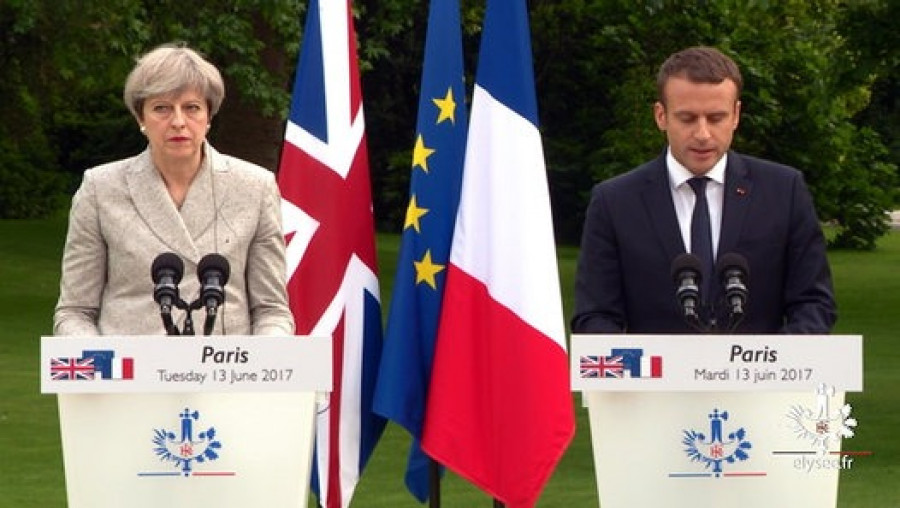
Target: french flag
[[500, 409], [637, 364], [108, 366]]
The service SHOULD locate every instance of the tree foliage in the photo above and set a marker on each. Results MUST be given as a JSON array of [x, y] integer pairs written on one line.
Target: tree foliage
[[821, 89], [798, 106]]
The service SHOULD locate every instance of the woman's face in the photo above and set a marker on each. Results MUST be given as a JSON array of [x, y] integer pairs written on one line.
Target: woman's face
[[176, 126]]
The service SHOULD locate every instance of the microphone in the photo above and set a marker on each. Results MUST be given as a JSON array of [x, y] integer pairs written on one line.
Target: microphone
[[213, 271], [166, 272], [734, 273], [686, 270]]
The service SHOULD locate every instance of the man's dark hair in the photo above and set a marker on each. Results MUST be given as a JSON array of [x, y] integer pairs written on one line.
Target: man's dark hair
[[699, 64]]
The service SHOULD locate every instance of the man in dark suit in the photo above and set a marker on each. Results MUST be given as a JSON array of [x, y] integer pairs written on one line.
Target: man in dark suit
[[638, 223]]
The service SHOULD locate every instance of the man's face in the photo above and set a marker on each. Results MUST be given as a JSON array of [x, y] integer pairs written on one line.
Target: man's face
[[699, 120]]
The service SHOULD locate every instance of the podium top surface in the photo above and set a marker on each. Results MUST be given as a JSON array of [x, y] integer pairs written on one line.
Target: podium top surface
[[165, 364], [715, 362]]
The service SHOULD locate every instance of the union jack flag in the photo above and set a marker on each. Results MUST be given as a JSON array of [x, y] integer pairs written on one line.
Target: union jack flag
[[590, 367], [71, 369], [329, 229], [602, 366]]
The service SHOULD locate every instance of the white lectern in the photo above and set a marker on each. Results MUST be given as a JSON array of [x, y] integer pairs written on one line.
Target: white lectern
[[186, 422], [715, 420]]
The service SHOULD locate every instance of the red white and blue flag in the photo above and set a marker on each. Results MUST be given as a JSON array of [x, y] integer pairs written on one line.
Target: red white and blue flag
[[636, 364], [500, 410], [329, 229], [622, 363], [93, 364], [71, 369], [602, 366]]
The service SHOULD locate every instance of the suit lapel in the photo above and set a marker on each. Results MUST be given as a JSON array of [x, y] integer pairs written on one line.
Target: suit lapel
[[197, 211], [657, 199], [155, 206], [207, 197], [738, 186]]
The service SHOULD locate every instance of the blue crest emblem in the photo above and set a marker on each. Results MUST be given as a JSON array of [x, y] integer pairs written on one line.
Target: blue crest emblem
[[184, 448], [717, 448]]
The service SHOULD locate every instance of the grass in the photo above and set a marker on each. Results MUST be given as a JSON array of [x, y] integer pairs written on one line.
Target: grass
[[31, 474]]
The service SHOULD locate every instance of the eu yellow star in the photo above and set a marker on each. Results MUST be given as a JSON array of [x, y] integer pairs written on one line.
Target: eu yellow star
[[413, 214], [447, 107], [426, 270], [421, 154]]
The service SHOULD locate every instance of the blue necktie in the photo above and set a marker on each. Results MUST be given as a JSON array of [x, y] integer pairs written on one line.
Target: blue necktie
[[701, 235]]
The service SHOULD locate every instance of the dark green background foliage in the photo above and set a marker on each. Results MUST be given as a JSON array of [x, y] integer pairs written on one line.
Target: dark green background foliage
[[821, 90]]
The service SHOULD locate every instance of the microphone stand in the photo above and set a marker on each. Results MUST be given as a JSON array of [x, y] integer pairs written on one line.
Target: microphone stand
[[712, 325], [734, 319], [210, 322], [165, 311], [188, 323], [188, 328], [693, 320], [735, 304], [694, 317], [189, 320], [212, 310], [735, 316]]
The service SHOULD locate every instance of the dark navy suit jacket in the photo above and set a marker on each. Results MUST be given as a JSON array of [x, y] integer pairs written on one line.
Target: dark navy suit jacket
[[631, 236]]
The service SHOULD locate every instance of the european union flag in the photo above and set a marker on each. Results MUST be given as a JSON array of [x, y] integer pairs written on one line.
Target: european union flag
[[437, 164]]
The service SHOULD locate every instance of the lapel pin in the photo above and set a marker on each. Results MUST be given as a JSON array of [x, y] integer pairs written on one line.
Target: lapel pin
[[741, 191]]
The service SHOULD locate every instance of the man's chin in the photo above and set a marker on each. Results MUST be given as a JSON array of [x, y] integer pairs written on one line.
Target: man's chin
[[700, 165]]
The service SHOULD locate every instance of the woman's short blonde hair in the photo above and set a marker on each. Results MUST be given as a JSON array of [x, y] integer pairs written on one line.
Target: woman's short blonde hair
[[172, 68]]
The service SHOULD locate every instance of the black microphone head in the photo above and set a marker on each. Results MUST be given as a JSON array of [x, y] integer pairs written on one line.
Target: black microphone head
[[686, 271], [732, 261], [167, 262], [212, 262], [734, 272], [684, 262]]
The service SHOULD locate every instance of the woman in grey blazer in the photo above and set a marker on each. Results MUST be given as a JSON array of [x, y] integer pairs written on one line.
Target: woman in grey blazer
[[179, 196]]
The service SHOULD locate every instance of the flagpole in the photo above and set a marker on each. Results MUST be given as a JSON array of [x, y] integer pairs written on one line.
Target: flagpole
[[434, 484]]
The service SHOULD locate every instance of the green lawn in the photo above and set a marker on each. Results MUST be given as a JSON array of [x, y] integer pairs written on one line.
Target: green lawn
[[868, 289]]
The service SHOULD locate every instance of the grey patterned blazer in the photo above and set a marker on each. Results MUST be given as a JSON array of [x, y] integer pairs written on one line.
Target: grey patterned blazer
[[122, 217]]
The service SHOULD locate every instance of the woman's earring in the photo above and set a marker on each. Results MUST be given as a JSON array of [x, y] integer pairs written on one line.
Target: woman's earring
[[143, 129]]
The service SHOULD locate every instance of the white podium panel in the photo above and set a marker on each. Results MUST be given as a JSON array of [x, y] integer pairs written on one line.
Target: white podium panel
[[232, 450], [137, 438], [659, 449], [680, 443]]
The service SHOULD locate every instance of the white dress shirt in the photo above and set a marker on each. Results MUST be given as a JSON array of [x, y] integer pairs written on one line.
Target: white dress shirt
[[683, 197]]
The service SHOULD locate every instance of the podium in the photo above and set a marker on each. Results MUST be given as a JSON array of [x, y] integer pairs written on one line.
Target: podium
[[185, 422], [718, 420]]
